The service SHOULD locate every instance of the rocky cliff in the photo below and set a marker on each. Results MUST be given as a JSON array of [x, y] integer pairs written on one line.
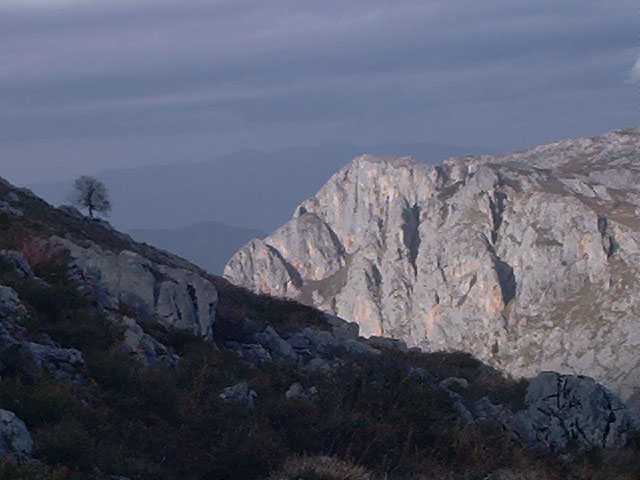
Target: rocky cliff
[[528, 261]]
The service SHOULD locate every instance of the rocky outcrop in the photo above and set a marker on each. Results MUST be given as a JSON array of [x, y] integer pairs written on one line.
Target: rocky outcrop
[[174, 297], [562, 409], [15, 439], [528, 261]]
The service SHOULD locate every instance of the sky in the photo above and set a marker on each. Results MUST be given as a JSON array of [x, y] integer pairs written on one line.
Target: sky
[[90, 85]]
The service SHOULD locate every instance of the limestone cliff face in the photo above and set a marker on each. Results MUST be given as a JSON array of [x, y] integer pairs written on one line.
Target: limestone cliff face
[[531, 261]]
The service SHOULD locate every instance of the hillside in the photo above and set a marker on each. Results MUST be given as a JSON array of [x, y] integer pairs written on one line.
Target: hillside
[[208, 244], [121, 361], [529, 261]]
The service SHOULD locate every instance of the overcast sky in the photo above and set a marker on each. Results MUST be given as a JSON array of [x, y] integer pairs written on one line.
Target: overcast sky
[[88, 85]]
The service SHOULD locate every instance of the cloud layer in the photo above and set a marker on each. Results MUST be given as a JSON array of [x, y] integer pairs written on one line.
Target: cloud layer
[[89, 84]]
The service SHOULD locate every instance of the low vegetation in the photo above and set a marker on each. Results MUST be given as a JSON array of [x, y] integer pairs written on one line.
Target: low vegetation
[[369, 419]]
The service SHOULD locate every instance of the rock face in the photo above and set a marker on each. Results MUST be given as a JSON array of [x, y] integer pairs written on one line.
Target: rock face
[[528, 261], [175, 297]]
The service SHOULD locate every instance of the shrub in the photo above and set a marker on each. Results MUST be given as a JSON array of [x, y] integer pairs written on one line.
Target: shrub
[[66, 443], [41, 402]]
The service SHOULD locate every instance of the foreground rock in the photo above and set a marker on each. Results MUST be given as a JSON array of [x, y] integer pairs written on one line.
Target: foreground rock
[[565, 409], [528, 261], [562, 412]]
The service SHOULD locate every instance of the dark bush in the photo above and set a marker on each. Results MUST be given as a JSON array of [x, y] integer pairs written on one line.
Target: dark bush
[[66, 443]]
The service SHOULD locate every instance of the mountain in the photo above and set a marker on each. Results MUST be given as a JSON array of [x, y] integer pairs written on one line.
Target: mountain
[[208, 244], [110, 346], [251, 189], [529, 261]]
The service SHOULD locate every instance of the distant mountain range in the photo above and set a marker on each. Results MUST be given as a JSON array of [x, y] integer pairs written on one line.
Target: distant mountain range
[[209, 244], [251, 189]]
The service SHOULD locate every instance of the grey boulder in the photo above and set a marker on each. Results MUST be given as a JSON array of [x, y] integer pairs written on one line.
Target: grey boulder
[[276, 345], [142, 346], [298, 392], [240, 394], [18, 262], [15, 439], [562, 409]]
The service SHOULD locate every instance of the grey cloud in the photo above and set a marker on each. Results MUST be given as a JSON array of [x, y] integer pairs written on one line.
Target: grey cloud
[[285, 72]]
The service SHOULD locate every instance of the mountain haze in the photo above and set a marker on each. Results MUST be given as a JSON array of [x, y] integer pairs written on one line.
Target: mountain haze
[[250, 189], [208, 244]]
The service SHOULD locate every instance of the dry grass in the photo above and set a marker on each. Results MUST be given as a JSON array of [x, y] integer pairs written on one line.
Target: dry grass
[[320, 468]]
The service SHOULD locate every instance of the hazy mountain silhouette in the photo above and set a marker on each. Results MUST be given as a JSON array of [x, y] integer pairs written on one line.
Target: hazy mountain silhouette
[[209, 244], [250, 188]]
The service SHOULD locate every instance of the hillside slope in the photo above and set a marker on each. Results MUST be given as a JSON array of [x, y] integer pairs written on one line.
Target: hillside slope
[[122, 361], [528, 261]]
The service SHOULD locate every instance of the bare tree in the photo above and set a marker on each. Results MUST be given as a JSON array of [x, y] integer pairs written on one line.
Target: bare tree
[[91, 193]]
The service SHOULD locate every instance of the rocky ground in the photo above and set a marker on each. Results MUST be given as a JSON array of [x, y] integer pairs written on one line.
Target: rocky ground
[[529, 261], [120, 361]]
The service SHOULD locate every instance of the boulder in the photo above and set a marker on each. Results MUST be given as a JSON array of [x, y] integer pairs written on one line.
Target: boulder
[[15, 439], [10, 305], [240, 394], [251, 352], [562, 412], [18, 262], [297, 392], [146, 349], [276, 345], [5, 207], [566, 409]]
